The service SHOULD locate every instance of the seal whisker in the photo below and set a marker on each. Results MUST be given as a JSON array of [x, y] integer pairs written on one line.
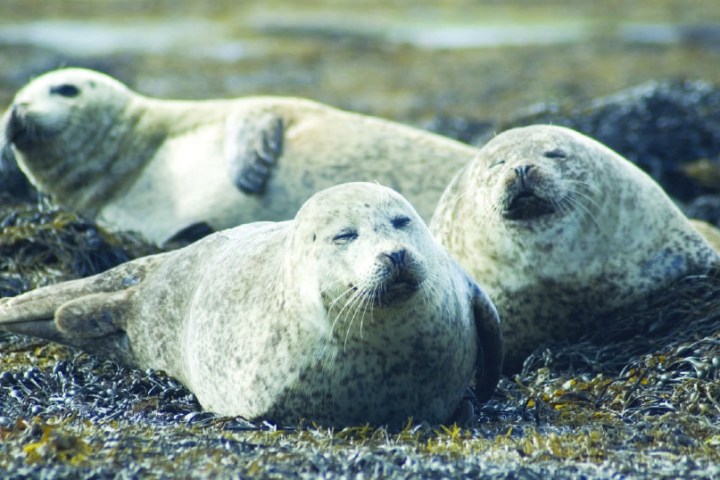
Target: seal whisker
[[585, 196], [592, 189], [580, 207], [342, 296], [349, 311], [360, 303], [431, 292], [367, 304]]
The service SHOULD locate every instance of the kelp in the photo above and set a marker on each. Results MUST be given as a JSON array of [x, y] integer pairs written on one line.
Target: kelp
[[639, 396]]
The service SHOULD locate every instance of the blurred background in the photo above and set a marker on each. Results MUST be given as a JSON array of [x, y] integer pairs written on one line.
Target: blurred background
[[410, 61]]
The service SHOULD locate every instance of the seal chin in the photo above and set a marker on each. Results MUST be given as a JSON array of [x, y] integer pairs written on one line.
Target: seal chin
[[525, 204], [398, 291]]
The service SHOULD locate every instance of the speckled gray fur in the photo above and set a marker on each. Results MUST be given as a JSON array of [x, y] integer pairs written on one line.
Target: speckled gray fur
[[613, 236], [159, 166], [307, 319]]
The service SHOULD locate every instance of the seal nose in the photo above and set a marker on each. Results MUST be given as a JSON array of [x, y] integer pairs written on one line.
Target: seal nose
[[11, 126], [522, 173], [14, 126], [397, 258]]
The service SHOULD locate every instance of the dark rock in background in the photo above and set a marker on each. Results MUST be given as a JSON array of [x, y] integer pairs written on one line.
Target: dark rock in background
[[706, 207], [669, 128], [659, 125], [472, 131]]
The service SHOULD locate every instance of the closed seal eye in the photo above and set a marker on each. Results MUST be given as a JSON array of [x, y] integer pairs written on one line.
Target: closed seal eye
[[400, 221], [345, 237], [65, 90], [556, 153]]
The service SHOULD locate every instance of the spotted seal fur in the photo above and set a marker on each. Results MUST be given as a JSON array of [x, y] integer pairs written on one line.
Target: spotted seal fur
[[559, 229], [349, 314], [183, 168]]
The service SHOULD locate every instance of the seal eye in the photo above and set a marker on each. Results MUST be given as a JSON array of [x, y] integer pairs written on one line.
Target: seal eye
[[496, 163], [66, 90], [400, 222], [344, 237], [557, 153]]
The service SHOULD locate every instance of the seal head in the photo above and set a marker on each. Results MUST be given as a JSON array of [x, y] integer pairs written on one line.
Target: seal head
[[71, 133]]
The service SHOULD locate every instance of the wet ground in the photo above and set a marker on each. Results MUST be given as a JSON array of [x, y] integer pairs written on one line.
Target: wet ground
[[630, 407]]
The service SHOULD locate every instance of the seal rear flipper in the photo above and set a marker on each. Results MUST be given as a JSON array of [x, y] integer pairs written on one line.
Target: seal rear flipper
[[95, 315], [101, 298], [92, 316], [253, 144], [490, 345], [37, 328]]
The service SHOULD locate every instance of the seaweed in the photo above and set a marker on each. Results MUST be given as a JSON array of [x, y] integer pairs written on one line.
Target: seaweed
[[639, 397], [42, 244]]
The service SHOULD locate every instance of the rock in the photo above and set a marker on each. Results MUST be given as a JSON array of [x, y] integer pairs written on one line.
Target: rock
[[659, 125], [667, 127], [705, 207]]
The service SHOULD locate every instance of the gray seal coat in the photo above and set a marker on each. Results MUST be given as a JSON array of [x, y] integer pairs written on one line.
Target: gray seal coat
[[181, 168], [349, 314], [559, 230]]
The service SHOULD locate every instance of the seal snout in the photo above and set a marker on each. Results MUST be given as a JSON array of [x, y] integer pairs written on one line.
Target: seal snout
[[399, 276], [524, 197], [397, 258], [522, 173], [18, 129]]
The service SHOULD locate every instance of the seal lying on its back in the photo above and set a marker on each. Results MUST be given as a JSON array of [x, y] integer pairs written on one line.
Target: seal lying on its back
[[559, 229], [162, 167], [349, 314]]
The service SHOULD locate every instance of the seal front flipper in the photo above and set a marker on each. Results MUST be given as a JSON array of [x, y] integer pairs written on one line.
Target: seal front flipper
[[190, 234], [253, 145], [490, 347]]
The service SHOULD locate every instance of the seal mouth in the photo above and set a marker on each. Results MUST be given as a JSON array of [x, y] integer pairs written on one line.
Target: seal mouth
[[395, 289], [525, 204], [394, 293]]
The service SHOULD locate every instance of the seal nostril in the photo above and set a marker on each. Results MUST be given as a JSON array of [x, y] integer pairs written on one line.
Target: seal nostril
[[523, 170], [398, 257]]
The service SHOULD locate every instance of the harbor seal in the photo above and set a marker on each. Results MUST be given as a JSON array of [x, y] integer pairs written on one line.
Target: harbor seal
[[351, 313], [167, 168], [559, 230]]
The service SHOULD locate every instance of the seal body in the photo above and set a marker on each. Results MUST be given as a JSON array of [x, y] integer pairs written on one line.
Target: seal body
[[559, 230], [349, 314], [161, 166]]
